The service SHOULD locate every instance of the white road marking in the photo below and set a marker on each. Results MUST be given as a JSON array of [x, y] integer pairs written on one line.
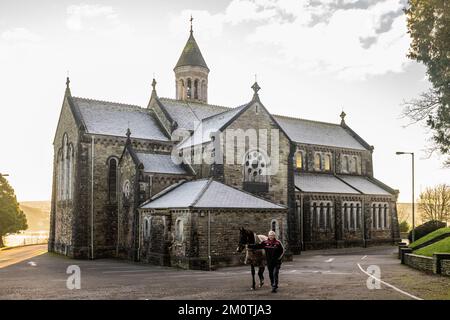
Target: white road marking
[[363, 257], [127, 271], [329, 260], [389, 285], [32, 263]]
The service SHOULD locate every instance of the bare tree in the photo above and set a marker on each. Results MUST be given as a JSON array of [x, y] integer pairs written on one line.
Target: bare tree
[[402, 213], [434, 203]]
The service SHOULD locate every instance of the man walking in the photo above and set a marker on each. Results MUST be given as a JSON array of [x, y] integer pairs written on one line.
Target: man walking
[[274, 254]]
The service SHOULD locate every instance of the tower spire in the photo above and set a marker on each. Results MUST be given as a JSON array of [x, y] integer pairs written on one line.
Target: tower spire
[[191, 72]]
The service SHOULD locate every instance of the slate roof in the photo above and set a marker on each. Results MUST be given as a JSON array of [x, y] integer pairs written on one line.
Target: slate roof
[[207, 193], [209, 125], [191, 55], [319, 133], [325, 183], [187, 113], [159, 163], [109, 118], [328, 183], [113, 119], [364, 185]]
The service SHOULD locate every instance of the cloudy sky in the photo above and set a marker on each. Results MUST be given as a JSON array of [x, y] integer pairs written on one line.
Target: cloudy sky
[[312, 58]]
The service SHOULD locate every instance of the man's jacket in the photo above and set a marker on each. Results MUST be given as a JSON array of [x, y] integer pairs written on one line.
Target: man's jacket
[[274, 250]]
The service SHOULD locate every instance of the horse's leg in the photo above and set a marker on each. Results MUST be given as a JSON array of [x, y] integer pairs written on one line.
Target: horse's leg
[[253, 276], [261, 276]]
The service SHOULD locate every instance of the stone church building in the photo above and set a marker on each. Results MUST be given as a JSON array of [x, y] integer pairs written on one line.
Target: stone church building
[[172, 183]]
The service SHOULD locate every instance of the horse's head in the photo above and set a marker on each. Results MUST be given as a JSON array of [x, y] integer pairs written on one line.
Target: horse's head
[[244, 238]]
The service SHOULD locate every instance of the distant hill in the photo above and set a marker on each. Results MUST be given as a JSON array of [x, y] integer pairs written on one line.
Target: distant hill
[[38, 214]]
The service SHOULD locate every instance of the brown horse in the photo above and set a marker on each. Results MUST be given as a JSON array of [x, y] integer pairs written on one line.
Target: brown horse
[[254, 257]]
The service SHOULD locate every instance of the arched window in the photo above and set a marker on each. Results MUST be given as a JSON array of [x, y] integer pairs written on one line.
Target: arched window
[[299, 160], [317, 161], [69, 171], [203, 91], [314, 219], [329, 216], [327, 162], [255, 167], [189, 89], [126, 189], [274, 226], [345, 214], [179, 230], [358, 216], [354, 164], [60, 173], [64, 167], [322, 222], [147, 227], [112, 180], [352, 217], [380, 217], [196, 89], [374, 216], [182, 89], [345, 164]]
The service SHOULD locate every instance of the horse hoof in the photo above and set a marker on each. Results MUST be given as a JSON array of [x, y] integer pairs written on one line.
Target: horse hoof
[[252, 288], [261, 284]]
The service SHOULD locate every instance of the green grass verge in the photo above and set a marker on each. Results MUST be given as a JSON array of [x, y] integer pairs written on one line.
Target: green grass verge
[[442, 246], [430, 236]]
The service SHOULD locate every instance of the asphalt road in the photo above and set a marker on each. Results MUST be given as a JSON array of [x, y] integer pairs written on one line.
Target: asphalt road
[[27, 273]]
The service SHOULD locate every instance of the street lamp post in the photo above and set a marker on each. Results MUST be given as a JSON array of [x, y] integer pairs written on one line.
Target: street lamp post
[[412, 172]]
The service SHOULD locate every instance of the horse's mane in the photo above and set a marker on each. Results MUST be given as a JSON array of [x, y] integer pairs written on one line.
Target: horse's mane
[[257, 238]]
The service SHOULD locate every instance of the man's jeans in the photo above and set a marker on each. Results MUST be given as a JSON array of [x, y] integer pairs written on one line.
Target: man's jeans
[[274, 269]]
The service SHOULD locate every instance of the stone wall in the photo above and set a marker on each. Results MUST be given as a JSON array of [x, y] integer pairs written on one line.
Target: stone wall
[[62, 219], [419, 262], [445, 267], [335, 235], [438, 264], [191, 252]]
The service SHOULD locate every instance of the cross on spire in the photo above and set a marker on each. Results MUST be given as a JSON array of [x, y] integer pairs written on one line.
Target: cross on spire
[[342, 115], [67, 82], [192, 19], [154, 83], [256, 87]]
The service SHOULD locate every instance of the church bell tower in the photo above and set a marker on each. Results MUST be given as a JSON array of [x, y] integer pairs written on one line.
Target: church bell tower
[[191, 73]]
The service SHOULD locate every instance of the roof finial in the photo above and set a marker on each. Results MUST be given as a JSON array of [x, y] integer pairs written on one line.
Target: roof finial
[[255, 88], [192, 19], [154, 83], [68, 93], [128, 134], [343, 114]]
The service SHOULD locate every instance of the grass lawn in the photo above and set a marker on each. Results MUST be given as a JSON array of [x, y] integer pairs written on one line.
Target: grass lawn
[[430, 236], [442, 246]]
